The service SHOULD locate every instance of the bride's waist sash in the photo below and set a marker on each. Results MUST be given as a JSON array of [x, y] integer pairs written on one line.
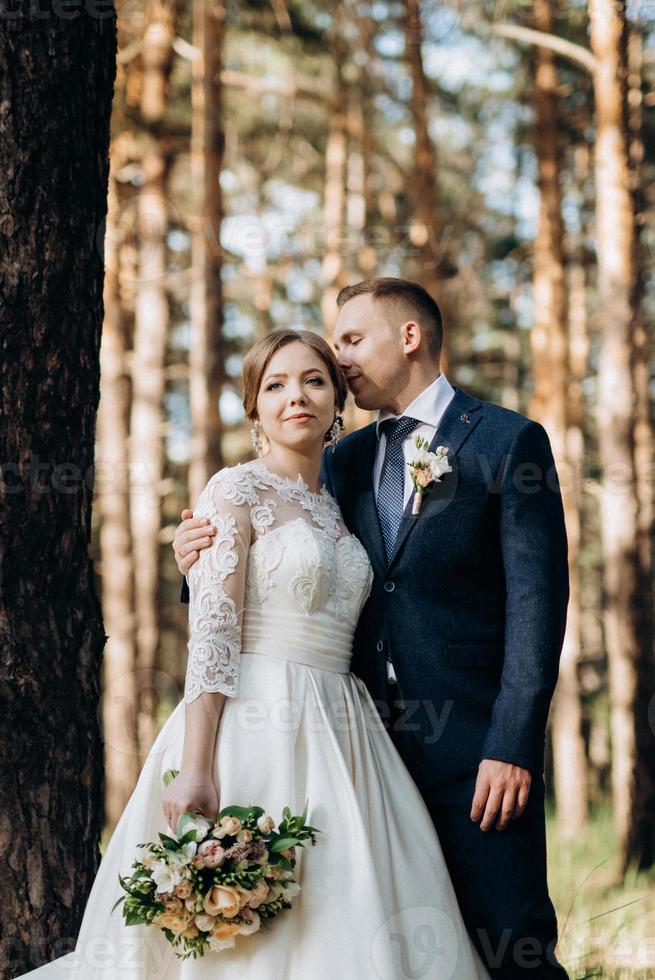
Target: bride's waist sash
[[316, 642]]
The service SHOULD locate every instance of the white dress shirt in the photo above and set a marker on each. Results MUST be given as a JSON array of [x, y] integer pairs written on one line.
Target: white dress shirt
[[428, 408]]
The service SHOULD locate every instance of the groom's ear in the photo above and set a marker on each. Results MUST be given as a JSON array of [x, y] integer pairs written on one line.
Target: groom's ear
[[411, 336]]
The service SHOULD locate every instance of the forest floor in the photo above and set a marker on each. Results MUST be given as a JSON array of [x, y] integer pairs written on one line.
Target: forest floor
[[606, 928]]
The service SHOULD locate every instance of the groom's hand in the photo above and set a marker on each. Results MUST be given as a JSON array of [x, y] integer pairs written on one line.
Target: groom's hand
[[501, 791], [191, 536]]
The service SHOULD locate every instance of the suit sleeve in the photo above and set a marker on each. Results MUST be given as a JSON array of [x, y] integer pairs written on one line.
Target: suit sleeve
[[534, 554], [184, 593]]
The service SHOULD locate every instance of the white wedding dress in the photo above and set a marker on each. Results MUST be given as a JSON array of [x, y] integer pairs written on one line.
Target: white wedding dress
[[273, 607]]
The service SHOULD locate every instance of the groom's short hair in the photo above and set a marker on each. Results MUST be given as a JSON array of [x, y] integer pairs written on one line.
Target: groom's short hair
[[410, 298]]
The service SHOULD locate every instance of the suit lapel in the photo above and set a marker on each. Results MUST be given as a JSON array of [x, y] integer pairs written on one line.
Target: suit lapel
[[457, 422]]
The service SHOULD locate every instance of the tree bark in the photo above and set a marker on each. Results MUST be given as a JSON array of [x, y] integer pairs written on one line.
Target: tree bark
[[629, 657], [55, 103], [207, 370]]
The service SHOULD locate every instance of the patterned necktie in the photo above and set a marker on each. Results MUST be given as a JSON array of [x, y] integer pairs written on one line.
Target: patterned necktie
[[391, 490]]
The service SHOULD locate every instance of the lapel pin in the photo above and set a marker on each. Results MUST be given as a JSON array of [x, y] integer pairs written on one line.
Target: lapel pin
[[464, 418]]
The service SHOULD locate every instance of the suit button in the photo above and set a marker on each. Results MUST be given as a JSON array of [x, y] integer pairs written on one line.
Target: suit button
[[380, 646], [389, 586]]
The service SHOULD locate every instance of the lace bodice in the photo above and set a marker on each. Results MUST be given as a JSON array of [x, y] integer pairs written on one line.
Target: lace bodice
[[283, 573]]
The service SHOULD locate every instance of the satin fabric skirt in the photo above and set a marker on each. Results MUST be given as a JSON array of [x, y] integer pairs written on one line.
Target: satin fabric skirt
[[377, 902]]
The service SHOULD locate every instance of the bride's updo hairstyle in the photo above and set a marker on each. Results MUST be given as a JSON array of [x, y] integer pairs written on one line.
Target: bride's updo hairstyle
[[256, 361]]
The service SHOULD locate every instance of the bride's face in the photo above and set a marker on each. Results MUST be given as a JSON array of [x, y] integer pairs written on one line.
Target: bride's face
[[296, 400]]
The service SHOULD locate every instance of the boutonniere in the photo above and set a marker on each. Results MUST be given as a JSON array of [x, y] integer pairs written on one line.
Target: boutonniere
[[426, 468]]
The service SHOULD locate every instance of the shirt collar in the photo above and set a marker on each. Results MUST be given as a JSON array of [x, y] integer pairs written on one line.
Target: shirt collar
[[427, 407]]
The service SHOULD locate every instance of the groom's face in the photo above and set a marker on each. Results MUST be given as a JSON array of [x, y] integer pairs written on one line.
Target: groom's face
[[369, 349]]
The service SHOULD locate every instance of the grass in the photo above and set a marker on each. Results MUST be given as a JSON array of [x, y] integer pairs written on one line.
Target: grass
[[606, 927]]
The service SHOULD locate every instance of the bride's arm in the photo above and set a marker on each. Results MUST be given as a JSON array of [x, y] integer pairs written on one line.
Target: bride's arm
[[216, 586]]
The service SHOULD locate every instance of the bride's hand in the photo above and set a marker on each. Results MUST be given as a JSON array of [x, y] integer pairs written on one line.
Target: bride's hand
[[189, 792]]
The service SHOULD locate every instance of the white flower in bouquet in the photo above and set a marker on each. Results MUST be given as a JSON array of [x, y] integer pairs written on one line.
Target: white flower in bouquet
[[165, 877], [265, 824], [180, 859], [200, 824], [290, 890], [248, 928], [205, 922]]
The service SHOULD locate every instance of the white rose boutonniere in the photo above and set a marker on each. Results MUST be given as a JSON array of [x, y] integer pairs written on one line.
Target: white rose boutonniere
[[426, 468]]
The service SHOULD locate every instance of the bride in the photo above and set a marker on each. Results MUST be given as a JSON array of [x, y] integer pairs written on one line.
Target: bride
[[271, 715]]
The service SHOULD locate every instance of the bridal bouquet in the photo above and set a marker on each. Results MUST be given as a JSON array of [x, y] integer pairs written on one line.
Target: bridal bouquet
[[215, 880]]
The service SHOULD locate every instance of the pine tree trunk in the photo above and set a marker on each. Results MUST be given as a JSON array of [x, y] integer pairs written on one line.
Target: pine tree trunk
[[334, 195], [207, 371], [113, 507], [151, 322], [629, 658], [55, 102], [426, 233], [549, 342]]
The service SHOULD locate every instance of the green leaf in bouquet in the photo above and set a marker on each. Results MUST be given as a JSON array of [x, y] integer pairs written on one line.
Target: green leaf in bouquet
[[282, 843], [169, 842], [116, 904], [169, 776], [189, 836], [133, 917]]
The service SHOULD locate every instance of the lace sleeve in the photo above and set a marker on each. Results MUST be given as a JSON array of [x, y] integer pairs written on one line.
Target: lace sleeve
[[216, 593]]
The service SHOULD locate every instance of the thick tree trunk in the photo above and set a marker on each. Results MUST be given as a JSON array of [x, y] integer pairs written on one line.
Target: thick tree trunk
[[113, 506], [550, 366], [630, 658], [151, 322], [206, 362], [55, 102]]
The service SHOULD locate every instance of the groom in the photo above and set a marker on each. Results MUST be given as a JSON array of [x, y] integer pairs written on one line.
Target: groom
[[459, 642]]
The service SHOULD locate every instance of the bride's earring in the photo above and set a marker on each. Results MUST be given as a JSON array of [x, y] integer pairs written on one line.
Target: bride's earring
[[334, 433], [256, 436]]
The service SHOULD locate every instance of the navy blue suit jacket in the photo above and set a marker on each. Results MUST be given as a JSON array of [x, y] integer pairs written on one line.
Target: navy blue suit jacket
[[471, 608]]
